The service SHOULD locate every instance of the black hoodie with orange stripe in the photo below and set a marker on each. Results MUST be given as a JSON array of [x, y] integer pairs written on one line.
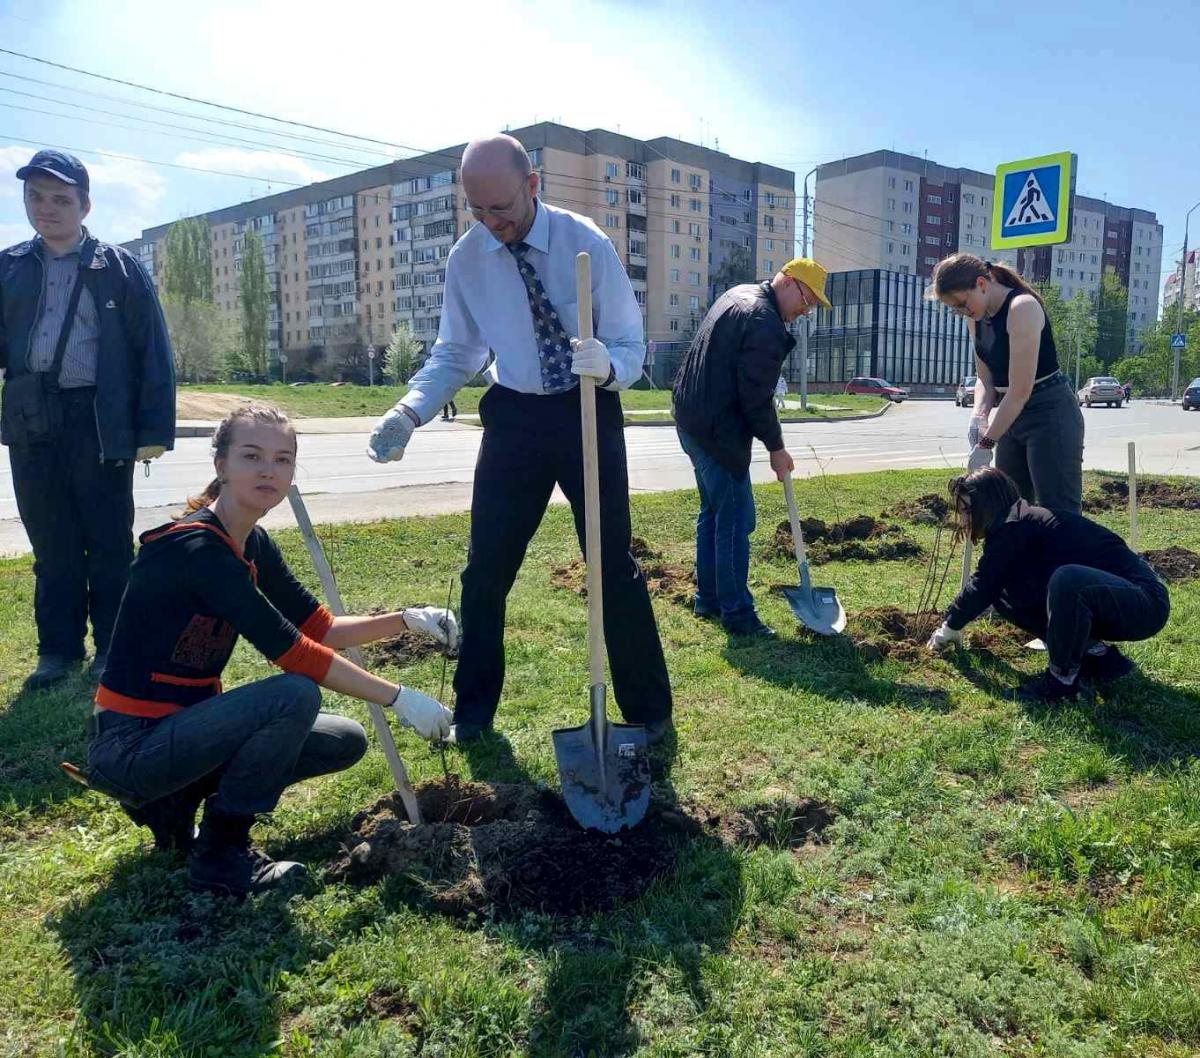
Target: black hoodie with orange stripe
[[191, 593]]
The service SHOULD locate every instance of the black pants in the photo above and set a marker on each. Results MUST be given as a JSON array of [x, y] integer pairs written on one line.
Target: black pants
[[1082, 605], [78, 513], [530, 442], [449, 410], [1043, 449]]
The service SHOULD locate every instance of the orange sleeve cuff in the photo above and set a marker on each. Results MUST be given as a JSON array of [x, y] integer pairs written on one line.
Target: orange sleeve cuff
[[307, 658], [317, 624]]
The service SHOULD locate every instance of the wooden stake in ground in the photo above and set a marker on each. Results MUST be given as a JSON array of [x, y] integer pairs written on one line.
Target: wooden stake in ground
[[1133, 532], [334, 598]]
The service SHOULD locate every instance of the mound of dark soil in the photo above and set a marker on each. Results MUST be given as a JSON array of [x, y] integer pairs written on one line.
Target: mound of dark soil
[[1174, 563], [1113, 493], [861, 539], [889, 632], [930, 509], [404, 649], [668, 580]]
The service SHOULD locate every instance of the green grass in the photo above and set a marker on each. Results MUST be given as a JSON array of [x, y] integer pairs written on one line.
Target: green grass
[[339, 401], [999, 880]]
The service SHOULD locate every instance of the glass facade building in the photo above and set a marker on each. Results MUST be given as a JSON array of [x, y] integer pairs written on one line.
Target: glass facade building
[[882, 326]]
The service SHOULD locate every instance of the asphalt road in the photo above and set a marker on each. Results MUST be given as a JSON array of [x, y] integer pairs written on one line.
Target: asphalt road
[[342, 484]]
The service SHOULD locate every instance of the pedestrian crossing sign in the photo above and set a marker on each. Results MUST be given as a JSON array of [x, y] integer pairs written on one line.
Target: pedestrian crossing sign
[[1032, 203]]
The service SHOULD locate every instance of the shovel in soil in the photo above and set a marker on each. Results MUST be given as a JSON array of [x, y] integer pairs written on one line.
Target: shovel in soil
[[603, 766], [815, 608]]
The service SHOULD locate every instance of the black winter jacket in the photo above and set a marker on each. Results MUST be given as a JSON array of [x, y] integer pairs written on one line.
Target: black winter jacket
[[724, 392]]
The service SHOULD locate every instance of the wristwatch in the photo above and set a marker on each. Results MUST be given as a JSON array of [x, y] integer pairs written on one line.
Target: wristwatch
[[985, 442]]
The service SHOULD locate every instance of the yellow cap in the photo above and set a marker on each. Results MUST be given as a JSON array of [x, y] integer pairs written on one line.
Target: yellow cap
[[811, 274]]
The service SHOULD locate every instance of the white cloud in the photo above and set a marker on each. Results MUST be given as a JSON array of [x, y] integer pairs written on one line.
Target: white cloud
[[267, 164]]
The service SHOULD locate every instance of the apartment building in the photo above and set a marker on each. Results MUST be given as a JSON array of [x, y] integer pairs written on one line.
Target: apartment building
[[1190, 286], [351, 257], [902, 213]]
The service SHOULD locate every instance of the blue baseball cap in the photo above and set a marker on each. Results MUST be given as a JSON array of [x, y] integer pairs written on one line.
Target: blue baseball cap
[[58, 164]]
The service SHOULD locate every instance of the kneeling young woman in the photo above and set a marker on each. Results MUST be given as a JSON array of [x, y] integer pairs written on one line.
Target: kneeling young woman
[[1060, 577], [168, 737]]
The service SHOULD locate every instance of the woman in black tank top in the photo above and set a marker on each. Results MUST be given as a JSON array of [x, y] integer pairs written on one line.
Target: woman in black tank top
[[1035, 427]]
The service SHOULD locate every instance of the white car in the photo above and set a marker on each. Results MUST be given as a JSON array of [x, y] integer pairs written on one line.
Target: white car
[[1103, 389]]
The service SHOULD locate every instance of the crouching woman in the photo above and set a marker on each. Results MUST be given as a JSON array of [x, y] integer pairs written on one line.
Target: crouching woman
[[1058, 576], [168, 737]]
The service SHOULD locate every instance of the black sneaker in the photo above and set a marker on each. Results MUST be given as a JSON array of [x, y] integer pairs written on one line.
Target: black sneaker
[[51, 669], [1049, 689], [1106, 667], [223, 860], [753, 628]]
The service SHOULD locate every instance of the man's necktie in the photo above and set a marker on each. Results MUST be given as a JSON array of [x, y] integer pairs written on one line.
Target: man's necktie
[[554, 345]]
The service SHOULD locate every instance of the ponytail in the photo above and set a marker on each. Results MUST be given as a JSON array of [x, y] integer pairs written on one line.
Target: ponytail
[[256, 412], [959, 271]]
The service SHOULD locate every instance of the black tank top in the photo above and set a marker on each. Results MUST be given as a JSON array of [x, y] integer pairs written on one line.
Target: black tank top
[[991, 345]]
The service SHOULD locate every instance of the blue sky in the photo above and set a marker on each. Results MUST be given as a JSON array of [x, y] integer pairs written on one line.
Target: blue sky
[[792, 84]]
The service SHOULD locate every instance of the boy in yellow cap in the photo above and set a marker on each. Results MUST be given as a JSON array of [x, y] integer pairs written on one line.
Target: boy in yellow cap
[[723, 399]]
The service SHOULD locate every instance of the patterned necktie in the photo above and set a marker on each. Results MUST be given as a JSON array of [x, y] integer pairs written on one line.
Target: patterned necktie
[[554, 345]]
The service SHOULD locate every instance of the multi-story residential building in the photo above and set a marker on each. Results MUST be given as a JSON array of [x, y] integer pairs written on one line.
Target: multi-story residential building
[[1191, 286], [349, 258], [903, 213]]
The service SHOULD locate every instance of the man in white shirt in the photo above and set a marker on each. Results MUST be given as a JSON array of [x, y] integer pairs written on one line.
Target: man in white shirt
[[510, 288]]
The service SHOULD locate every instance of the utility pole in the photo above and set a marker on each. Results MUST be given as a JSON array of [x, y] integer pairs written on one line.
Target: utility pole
[[804, 319], [1179, 314]]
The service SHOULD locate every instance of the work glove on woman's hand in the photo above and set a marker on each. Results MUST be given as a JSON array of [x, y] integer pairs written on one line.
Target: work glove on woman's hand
[[944, 637], [440, 625], [426, 716]]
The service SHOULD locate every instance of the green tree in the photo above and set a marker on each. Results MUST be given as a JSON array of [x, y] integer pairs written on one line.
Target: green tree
[[403, 353], [193, 320], [255, 304], [200, 336], [1112, 319], [188, 272], [736, 268]]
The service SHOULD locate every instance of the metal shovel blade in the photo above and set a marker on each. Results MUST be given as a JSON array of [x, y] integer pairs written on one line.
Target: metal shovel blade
[[604, 770], [816, 608]]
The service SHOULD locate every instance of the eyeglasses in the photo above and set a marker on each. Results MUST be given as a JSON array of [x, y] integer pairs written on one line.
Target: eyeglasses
[[504, 213]]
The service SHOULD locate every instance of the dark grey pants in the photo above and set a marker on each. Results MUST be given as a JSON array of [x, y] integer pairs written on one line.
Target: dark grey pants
[[258, 740], [1043, 450]]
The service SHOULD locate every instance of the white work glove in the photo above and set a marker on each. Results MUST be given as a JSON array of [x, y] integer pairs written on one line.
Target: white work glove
[[976, 428], [148, 452], [426, 716], [390, 436], [943, 637], [589, 356], [440, 625], [979, 458]]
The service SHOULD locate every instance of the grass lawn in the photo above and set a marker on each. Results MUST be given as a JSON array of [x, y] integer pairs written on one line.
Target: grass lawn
[[337, 401], [997, 879]]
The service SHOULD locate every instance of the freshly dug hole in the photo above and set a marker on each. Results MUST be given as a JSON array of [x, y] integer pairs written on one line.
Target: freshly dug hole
[[1174, 563], [930, 509], [497, 850], [1112, 494], [667, 580], [403, 649], [889, 632], [862, 539]]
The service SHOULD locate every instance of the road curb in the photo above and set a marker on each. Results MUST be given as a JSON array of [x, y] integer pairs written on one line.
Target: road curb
[[784, 422]]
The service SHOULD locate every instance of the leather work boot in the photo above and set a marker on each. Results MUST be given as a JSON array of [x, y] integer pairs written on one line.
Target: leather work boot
[[223, 860], [51, 669]]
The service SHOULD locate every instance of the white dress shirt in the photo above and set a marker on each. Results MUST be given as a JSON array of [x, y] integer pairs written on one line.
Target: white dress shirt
[[486, 306]]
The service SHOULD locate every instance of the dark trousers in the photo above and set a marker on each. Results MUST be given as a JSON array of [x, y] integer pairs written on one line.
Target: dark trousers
[[1043, 449], [531, 442], [78, 513], [251, 743], [449, 410], [1083, 605]]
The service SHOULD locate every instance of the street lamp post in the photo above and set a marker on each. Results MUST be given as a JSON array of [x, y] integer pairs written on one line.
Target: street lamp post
[[1179, 313], [804, 319]]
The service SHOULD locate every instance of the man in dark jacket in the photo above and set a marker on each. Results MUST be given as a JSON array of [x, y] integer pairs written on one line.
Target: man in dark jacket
[[89, 391], [724, 400]]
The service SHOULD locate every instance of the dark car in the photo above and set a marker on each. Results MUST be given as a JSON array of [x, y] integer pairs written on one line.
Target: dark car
[[1191, 395], [876, 387], [964, 396]]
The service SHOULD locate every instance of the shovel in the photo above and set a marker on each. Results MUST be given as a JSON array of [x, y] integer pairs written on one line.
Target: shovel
[[815, 608], [603, 766]]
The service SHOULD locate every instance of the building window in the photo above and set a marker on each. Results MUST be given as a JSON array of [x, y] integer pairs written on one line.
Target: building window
[[694, 181], [905, 229], [908, 185], [675, 227], [694, 278], [908, 207], [610, 170], [675, 251], [694, 205], [694, 229], [695, 253], [673, 325], [931, 219], [635, 170], [694, 302], [934, 199], [635, 198], [675, 202], [675, 177], [674, 275], [891, 181], [891, 203], [611, 220], [611, 197], [673, 300], [769, 265]]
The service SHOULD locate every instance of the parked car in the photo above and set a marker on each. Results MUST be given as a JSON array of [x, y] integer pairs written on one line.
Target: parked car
[[1103, 389], [1191, 395], [964, 396], [877, 387]]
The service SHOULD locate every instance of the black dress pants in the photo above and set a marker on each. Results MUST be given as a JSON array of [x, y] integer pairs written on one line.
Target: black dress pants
[[530, 443], [78, 514]]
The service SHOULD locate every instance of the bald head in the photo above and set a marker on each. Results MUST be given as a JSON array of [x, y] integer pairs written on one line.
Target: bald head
[[495, 155]]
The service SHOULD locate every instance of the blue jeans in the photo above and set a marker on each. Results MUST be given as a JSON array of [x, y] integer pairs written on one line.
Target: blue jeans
[[723, 530], [254, 742]]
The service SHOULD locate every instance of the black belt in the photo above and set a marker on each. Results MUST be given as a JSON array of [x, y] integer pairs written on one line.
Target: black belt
[[1050, 380]]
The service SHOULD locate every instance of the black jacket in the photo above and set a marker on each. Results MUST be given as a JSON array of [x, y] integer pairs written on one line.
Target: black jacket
[[135, 369], [1023, 552], [724, 392]]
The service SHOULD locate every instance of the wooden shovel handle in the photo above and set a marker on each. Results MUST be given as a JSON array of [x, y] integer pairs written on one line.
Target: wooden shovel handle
[[591, 481]]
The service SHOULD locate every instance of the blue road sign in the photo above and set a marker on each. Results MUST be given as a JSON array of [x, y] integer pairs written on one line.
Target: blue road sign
[[1032, 202], [1179, 341]]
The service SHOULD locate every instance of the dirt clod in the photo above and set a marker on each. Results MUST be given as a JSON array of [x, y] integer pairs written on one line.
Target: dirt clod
[[860, 539], [664, 579], [889, 632], [930, 509], [403, 649], [1113, 493], [497, 850], [1174, 563]]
